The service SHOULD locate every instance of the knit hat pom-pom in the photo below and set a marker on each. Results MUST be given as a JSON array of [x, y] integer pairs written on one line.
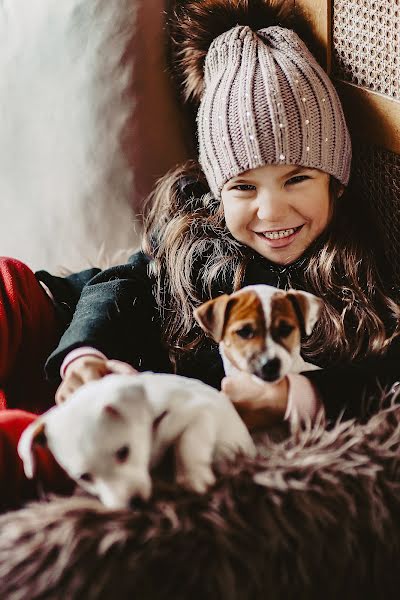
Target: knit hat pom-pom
[[196, 23]]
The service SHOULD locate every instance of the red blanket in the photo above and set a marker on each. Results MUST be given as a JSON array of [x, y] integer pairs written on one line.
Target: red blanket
[[28, 333]]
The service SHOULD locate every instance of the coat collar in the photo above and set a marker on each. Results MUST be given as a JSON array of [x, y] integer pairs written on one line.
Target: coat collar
[[262, 270]]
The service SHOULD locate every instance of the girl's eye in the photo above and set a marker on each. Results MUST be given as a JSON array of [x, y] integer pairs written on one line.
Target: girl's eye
[[297, 179], [244, 187]]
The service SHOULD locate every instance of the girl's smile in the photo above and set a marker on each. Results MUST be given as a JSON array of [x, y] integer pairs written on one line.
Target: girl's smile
[[279, 238], [278, 210]]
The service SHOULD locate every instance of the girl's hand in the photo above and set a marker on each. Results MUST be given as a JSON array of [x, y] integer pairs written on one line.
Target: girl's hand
[[259, 403], [89, 368]]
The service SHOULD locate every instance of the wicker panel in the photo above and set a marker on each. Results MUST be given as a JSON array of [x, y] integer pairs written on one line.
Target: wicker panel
[[376, 175], [366, 44]]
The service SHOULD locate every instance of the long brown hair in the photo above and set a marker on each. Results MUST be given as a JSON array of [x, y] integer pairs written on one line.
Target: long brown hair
[[195, 258]]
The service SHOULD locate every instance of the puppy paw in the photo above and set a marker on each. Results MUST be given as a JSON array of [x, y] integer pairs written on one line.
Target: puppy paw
[[198, 480]]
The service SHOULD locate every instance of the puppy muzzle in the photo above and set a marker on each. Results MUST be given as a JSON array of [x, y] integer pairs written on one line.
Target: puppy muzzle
[[270, 370], [127, 494]]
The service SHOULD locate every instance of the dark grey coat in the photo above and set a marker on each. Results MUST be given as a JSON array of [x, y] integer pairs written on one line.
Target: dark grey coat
[[115, 311]]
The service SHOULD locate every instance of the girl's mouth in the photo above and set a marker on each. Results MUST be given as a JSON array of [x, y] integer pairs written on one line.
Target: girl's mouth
[[279, 238]]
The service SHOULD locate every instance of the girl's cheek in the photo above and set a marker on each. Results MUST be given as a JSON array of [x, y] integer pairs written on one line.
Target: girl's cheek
[[233, 227], [235, 223]]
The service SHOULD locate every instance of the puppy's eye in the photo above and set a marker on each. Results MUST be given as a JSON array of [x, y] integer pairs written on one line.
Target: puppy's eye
[[86, 477], [122, 454], [246, 332], [284, 329]]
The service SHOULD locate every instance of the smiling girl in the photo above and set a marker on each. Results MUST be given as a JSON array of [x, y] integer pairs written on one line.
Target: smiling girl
[[277, 210], [266, 202]]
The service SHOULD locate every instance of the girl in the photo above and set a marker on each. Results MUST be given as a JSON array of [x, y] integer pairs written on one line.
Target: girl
[[265, 203]]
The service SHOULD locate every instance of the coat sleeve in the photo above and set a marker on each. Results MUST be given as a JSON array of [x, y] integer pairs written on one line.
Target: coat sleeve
[[357, 390], [116, 314], [66, 291]]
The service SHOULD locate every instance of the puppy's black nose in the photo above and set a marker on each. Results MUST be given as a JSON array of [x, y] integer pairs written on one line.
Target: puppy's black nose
[[270, 370], [136, 503]]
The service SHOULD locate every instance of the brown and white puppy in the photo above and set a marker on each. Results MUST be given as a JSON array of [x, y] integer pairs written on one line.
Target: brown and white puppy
[[259, 329]]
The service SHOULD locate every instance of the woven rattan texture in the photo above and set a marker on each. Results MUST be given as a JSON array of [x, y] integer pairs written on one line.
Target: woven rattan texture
[[366, 44], [376, 176]]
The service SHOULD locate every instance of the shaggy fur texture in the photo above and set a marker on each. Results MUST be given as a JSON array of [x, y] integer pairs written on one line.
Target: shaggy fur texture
[[195, 24], [322, 520]]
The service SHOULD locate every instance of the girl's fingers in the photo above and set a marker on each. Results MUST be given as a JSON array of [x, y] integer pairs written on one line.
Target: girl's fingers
[[90, 372], [71, 383], [243, 388], [59, 397], [231, 389], [64, 391], [117, 366]]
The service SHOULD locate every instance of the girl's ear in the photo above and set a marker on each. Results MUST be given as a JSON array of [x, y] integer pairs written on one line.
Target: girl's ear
[[336, 188]]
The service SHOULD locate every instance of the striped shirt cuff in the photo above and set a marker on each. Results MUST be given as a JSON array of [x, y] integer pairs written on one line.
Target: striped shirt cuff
[[78, 353]]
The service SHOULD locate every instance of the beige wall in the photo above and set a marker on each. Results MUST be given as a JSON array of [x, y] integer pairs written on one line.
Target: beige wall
[[154, 140]]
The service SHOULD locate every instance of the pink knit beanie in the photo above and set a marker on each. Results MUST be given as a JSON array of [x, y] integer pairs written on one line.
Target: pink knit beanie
[[267, 101]]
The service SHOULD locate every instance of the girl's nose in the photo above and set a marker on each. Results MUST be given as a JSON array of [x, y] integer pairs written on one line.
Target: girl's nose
[[270, 207]]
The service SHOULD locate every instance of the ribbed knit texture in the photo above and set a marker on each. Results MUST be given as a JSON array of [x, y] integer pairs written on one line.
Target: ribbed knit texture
[[267, 101]]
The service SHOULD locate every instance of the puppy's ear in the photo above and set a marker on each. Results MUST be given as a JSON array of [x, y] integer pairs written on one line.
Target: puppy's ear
[[310, 307], [33, 435], [211, 316], [125, 397]]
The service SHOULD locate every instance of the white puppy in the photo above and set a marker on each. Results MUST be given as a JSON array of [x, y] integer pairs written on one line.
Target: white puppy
[[111, 432]]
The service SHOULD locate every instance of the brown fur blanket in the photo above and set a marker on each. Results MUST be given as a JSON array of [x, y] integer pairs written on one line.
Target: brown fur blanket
[[314, 516]]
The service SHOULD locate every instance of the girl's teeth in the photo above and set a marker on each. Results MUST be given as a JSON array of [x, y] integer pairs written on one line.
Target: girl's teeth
[[276, 235]]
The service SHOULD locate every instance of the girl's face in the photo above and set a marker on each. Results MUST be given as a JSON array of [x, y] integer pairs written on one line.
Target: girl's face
[[278, 210]]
